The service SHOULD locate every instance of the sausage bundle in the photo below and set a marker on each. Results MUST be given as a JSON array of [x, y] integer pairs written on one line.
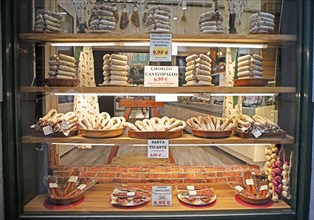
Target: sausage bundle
[[262, 22], [47, 21], [102, 18], [115, 69], [211, 22], [59, 122], [62, 67], [250, 66], [158, 19], [157, 124], [103, 121], [198, 70]]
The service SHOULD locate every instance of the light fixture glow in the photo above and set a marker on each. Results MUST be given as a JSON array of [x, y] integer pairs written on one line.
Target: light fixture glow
[[136, 44], [80, 144], [184, 5], [82, 44], [208, 145], [175, 18], [122, 94], [231, 45], [243, 94]]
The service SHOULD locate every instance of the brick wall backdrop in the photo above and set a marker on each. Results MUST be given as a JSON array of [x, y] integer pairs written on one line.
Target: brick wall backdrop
[[161, 174]]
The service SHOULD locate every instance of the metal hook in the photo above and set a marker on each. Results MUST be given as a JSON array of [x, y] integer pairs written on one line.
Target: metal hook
[[40, 149]]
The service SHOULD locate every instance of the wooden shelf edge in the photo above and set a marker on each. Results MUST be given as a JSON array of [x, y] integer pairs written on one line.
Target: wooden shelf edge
[[97, 199], [122, 37], [159, 90], [186, 139]]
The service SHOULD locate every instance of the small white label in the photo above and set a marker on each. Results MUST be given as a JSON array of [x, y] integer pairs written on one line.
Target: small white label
[[66, 133], [73, 179], [162, 196], [47, 130], [263, 187], [53, 185], [239, 188], [158, 148], [64, 125], [190, 187], [257, 133], [130, 193], [82, 186], [192, 193], [249, 182]]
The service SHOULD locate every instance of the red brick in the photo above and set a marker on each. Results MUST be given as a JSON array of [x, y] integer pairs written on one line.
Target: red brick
[[235, 179], [188, 169], [183, 175], [111, 180], [193, 181], [155, 169], [143, 175], [172, 180], [229, 174], [215, 168], [205, 175], [216, 180], [138, 169], [129, 175], [106, 174], [160, 175], [176, 169], [98, 168], [136, 180], [88, 174], [116, 169]]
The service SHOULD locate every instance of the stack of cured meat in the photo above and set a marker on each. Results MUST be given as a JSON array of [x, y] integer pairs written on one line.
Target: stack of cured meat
[[211, 22], [158, 19], [262, 22], [115, 69], [250, 66], [102, 18], [62, 67], [47, 21], [198, 70]]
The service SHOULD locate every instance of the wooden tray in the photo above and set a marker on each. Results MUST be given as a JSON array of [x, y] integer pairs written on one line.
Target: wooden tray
[[111, 85], [250, 82], [270, 134], [154, 134], [57, 134], [61, 82], [196, 85], [254, 201], [198, 201], [212, 134], [65, 201], [101, 133]]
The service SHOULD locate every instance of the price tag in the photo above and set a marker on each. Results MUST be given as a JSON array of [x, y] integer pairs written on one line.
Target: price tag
[[47, 130], [73, 179], [239, 188], [82, 186], [249, 182], [130, 193], [160, 47], [161, 76], [158, 148], [263, 187], [190, 187], [53, 185], [162, 196], [257, 133], [64, 125], [192, 193]]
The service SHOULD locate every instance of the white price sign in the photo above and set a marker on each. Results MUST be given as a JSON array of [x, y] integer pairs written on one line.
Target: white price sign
[[158, 148], [162, 196], [160, 47], [161, 76]]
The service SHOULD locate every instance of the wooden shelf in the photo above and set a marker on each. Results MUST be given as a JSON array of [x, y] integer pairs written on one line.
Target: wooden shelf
[[185, 139], [97, 199], [274, 39], [174, 90]]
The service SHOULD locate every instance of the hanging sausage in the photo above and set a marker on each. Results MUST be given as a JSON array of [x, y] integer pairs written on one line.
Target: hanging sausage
[[124, 21], [135, 17]]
